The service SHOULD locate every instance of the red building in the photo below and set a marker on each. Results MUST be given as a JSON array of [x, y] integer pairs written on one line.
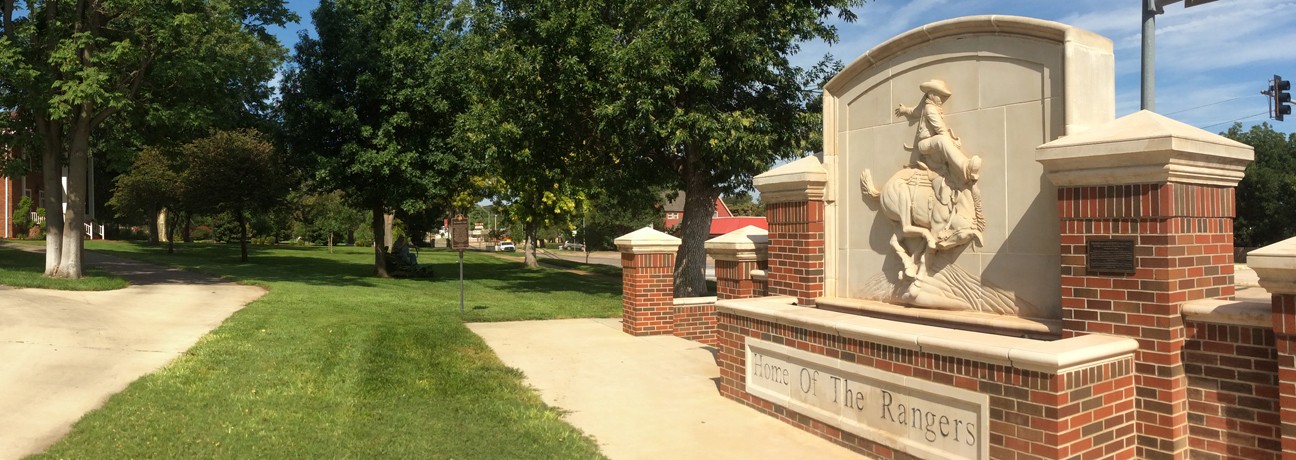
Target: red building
[[11, 192], [722, 221]]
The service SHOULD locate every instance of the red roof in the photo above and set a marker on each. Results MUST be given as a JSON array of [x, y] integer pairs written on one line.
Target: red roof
[[723, 225]]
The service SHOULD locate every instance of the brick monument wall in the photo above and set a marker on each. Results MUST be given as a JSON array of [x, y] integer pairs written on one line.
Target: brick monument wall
[[1233, 401], [1183, 235], [1086, 412]]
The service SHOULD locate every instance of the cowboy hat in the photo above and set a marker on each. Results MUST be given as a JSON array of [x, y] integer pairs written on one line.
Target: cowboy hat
[[935, 86]]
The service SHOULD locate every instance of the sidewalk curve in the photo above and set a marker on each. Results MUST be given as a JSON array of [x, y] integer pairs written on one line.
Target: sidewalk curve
[[64, 353], [643, 397]]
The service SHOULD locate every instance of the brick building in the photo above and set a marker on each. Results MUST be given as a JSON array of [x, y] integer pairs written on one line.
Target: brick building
[[722, 222]]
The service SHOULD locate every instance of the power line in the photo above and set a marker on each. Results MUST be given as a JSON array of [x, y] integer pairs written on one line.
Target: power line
[[1208, 105], [1236, 120]]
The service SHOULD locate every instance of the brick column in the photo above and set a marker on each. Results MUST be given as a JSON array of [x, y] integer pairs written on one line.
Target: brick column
[[794, 207], [647, 281], [1276, 267], [736, 254], [1167, 190]]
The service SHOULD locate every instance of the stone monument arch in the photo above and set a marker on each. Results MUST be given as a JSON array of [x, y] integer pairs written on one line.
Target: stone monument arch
[[951, 113]]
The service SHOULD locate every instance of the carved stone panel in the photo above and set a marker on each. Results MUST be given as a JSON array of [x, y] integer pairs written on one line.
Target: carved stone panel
[[942, 123]]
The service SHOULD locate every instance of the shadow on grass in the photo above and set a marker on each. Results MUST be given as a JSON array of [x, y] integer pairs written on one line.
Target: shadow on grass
[[353, 267], [264, 263]]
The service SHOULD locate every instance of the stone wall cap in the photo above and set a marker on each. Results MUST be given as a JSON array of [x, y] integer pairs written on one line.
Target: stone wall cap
[[748, 237], [1144, 147], [1230, 312], [803, 179], [1275, 264], [647, 241], [1056, 356], [744, 244], [1146, 125]]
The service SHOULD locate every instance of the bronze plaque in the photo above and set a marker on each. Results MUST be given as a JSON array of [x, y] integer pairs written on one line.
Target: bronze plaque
[[459, 232], [1111, 256]]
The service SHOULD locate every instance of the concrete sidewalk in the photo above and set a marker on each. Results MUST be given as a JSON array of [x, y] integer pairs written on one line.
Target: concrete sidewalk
[[64, 353], [643, 397]]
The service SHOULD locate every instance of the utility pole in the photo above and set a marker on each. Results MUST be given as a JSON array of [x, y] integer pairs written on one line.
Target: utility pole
[[1151, 8]]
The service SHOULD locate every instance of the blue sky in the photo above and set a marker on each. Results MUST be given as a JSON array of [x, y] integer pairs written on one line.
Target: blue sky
[[1219, 55]]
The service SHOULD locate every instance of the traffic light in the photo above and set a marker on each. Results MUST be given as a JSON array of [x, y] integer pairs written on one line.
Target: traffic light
[[1281, 91]]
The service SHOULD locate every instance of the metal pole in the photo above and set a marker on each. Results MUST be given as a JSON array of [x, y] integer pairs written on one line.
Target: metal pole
[[461, 284], [1148, 91]]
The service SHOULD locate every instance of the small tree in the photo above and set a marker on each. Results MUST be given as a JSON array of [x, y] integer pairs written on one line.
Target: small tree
[[151, 185], [22, 220], [234, 171]]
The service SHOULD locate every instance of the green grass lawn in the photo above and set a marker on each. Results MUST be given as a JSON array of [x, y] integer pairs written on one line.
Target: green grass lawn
[[24, 269], [333, 363]]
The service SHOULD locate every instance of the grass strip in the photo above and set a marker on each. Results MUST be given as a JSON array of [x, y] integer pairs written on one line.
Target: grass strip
[[333, 363], [23, 269]]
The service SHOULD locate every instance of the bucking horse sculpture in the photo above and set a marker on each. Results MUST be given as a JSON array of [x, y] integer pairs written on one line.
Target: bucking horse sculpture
[[928, 213]]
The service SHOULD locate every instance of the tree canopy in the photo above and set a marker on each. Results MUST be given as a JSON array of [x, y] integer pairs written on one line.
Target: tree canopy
[[1266, 197], [674, 95], [73, 68], [369, 106], [238, 172], [706, 99]]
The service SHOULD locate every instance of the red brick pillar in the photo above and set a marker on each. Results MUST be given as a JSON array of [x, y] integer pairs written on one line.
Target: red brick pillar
[[794, 207], [647, 281], [1146, 209], [1276, 267], [736, 254]]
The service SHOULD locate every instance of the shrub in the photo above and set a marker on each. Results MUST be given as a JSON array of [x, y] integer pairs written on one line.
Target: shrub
[[22, 215]]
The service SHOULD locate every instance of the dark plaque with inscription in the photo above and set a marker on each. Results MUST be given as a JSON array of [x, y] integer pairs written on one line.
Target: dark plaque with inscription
[[1111, 256], [459, 232]]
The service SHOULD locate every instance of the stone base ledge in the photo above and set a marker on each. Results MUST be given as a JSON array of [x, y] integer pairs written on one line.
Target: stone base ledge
[[1053, 357], [682, 301], [966, 320], [1230, 312]]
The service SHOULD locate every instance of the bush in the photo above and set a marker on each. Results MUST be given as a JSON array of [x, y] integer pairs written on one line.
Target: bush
[[201, 233], [22, 215], [364, 235]]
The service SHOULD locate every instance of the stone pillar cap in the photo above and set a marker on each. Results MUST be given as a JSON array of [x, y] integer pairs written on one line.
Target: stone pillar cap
[[647, 241], [1276, 266], [1144, 148], [747, 243], [801, 180]]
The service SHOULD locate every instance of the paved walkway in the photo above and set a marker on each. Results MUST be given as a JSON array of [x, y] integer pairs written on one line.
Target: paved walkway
[[64, 353], [643, 397]]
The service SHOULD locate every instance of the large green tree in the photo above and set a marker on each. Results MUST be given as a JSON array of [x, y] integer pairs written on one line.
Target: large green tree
[[706, 98], [536, 80], [73, 68], [368, 106], [1266, 197]]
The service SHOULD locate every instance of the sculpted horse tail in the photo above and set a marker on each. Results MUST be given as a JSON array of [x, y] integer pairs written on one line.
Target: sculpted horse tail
[[866, 185]]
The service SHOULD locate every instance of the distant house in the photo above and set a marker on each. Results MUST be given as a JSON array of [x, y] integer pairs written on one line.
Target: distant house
[[722, 221]]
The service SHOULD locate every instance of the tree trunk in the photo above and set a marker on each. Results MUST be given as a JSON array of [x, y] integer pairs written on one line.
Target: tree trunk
[[330, 242], [529, 245], [185, 231], [690, 262], [52, 173], [153, 229], [169, 231], [388, 221], [243, 239], [74, 215], [379, 224]]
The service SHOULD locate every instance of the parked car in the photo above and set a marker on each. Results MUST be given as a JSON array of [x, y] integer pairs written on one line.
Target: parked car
[[572, 246], [505, 246]]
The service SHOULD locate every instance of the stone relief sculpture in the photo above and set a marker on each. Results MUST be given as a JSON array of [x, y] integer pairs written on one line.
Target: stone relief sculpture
[[935, 205]]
